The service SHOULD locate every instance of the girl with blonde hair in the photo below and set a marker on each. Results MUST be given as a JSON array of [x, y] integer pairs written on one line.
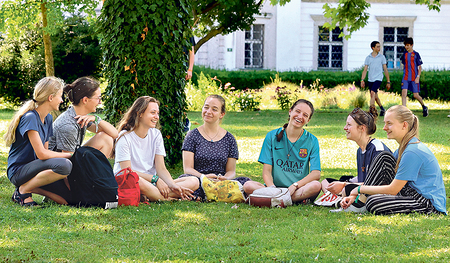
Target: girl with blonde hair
[[32, 167], [415, 184], [140, 146]]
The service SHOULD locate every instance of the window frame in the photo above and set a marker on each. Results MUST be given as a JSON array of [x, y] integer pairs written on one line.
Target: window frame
[[253, 41], [395, 22], [319, 21]]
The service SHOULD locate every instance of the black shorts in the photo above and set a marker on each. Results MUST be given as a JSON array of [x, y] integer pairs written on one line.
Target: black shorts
[[374, 86]]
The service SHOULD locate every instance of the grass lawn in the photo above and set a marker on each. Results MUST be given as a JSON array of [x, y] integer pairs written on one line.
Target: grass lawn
[[220, 232]]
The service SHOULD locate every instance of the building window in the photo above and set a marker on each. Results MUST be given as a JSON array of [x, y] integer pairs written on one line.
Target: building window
[[254, 43], [393, 47], [330, 48]]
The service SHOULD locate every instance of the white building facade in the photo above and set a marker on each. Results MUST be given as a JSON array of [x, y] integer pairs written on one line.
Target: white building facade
[[291, 38]]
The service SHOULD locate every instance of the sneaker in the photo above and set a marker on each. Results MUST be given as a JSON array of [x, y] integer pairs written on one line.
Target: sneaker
[[382, 111], [351, 208], [448, 116], [425, 111]]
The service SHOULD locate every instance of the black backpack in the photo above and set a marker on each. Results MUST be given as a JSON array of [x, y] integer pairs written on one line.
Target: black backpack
[[92, 180]]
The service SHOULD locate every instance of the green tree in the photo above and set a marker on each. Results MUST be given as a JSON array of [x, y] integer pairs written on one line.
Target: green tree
[[352, 14], [76, 50], [48, 15], [143, 42], [213, 17], [21, 65]]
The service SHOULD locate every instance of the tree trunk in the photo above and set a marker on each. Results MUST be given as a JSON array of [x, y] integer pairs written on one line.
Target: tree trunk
[[49, 65]]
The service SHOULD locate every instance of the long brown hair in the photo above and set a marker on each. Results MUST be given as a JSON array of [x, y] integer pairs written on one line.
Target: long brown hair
[[307, 102], [43, 89], [403, 114], [130, 120]]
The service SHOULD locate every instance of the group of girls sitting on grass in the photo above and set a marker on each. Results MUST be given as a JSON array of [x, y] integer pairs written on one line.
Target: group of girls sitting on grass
[[409, 180]]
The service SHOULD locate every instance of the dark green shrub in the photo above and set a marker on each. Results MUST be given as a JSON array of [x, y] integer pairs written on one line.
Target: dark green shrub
[[76, 53], [21, 66], [76, 50], [434, 83]]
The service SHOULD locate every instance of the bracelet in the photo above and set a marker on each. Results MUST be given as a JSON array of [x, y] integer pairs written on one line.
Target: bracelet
[[359, 189], [362, 80], [190, 70], [154, 179], [96, 122], [388, 82], [356, 200]]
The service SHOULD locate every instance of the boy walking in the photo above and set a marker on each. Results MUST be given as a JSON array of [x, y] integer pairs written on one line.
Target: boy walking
[[376, 64], [412, 67]]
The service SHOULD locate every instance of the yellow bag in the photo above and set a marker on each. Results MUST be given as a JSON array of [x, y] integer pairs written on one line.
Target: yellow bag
[[223, 191]]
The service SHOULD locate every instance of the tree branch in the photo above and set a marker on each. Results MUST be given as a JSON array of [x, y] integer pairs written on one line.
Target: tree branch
[[211, 34]]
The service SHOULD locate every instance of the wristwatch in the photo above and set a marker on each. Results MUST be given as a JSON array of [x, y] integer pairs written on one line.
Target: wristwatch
[[295, 184]]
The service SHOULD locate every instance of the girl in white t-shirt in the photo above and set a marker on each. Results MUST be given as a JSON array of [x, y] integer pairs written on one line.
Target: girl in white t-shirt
[[140, 146]]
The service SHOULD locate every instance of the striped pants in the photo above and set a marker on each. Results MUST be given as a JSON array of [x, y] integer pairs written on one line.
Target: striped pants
[[408, 200]]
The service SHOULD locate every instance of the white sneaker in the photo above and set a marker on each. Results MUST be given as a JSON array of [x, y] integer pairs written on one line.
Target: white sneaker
[[351, 208], [448, 116]]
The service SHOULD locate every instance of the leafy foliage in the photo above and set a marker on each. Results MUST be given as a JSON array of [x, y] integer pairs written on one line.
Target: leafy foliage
[[16, 16], [433, 82], [76, 50], [21, 66], [213, 17], [143, 55], [350, 14]]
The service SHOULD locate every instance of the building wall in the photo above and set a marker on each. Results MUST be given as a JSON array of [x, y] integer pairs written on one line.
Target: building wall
[[228, 53], [291, 36]]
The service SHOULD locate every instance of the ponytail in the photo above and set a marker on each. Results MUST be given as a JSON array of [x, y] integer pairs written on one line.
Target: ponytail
[[43, 89], [280, 134]]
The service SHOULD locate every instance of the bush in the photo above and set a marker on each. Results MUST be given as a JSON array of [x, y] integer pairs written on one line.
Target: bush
[[247, 100], [434, 83], [244, 100], [76, 50], [21, 66], [76, 53]]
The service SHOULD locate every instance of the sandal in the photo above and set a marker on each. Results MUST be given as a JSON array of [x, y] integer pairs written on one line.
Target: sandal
[[20, 198], [15, 196]]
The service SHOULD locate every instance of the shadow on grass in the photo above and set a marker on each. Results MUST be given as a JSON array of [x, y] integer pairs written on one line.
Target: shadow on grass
[[189, 231]]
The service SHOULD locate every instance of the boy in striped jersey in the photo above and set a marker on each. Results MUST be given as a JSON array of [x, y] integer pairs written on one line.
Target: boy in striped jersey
[[412, 67]]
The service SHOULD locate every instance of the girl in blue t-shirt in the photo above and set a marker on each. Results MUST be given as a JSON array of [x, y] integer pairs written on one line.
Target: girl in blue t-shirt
[[416, 185], [290, 156], [32, 168]]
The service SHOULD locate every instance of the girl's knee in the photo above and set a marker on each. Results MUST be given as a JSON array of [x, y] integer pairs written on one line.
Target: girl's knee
[[193, 182], [63, 167], [315, 186]]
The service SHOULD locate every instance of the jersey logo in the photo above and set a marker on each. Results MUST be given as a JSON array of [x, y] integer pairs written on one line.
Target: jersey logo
[[278, 148], [303, 153]]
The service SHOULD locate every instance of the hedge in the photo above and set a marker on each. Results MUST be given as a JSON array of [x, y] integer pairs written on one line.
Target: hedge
[[434, 83]]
